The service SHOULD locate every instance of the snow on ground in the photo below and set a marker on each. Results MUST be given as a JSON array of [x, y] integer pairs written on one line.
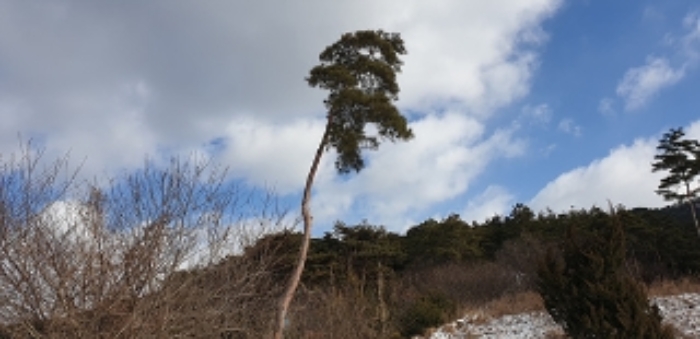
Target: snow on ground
[[682, 311]]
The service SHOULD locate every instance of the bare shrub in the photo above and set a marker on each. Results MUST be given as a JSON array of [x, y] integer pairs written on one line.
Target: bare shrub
[[156, 253], [466, 284], [521, 257], [334, 313]]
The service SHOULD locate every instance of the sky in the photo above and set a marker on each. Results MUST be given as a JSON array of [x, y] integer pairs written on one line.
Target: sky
[[555, 104]]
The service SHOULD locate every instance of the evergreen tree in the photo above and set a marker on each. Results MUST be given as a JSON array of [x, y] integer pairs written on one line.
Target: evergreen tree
[[359, 71], [681, 158], [440, 242], [588, 292]]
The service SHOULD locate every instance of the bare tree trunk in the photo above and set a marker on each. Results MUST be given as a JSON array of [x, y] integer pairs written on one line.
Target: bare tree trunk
[[383, 313], [695, 217], [690, 196], [294, 279]]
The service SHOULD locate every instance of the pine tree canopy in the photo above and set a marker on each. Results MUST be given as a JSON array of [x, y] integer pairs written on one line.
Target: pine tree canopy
[[360, 72], [681, 158]]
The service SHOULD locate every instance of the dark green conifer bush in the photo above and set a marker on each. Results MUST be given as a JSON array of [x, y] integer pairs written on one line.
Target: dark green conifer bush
[[587, 290]]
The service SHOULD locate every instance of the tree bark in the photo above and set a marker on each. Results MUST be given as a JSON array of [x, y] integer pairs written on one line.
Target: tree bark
[[294, 279], [690, 197], [695, 218], [383, 313]]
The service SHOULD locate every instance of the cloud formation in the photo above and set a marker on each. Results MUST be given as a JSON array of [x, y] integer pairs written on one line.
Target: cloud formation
[[404, 180], [606, 106], [624, 176], [569, 126], [115, 81], [493, 201], [640, 84], [539, 114]]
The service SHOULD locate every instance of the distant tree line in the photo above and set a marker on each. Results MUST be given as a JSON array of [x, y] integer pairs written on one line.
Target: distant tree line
[[412, 281]]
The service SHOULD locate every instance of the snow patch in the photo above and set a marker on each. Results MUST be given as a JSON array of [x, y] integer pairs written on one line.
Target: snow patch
[[681, 311]]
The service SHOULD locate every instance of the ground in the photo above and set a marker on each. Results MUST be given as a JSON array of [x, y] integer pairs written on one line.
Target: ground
[[680, 310]]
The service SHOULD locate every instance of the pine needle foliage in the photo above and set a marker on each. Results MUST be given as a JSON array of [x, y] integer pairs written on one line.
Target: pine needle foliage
[[680, 157], [359, 71], [587, 290]]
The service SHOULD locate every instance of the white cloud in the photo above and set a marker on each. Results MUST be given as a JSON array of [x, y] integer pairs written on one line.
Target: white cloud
[[691, 40], [640, 84], [277, 155], [623, 177], [121, 132], [114, 81], [546, 151], [538, 114], [605, 106], [569, 126], [469, 53], [495, 200], [404, 180], [693, 131]]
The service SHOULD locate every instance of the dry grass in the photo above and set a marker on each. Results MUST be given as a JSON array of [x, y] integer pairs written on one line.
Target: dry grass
[[342, 313], [522, 302], [556, 334], [674, 287]]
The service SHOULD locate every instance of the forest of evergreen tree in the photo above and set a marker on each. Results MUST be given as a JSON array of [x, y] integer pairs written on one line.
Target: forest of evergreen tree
[[405, 283]]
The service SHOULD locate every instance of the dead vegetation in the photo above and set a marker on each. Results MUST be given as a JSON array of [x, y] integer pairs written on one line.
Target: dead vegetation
[[156, 253]]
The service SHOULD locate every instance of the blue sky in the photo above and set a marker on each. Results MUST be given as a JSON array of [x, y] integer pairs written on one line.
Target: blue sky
[[591, 46], [550, 103]]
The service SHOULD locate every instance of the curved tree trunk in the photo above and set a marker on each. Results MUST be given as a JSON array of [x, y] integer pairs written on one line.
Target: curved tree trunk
[[294, 279]]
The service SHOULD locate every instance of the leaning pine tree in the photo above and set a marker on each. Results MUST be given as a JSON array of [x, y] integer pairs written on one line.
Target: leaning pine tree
[[359, 71]]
